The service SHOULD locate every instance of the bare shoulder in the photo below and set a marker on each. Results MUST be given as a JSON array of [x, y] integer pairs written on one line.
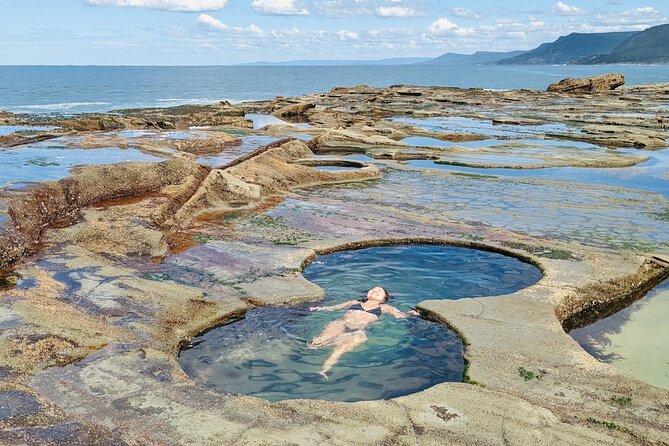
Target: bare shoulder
[[389, 308]]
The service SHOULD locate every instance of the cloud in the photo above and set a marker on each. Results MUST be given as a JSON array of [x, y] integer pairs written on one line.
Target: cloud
[[637, 18], [167, 5], [210, 22], [442, 25], [379, 8], [348, 35], [561, 8], [396, 11], [213, 24], [466, 14], [278, 7]]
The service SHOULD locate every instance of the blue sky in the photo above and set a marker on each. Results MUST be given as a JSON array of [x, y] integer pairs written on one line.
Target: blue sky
[[221, 32]]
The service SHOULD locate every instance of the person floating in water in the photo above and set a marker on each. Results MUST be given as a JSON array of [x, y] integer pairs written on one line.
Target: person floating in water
[[347, 333]]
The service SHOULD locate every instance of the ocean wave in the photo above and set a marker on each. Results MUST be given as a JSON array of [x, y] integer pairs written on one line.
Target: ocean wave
[[59, 106]]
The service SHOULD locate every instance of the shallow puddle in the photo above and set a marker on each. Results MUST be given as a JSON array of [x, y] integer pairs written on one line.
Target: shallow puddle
[[260, 121], [478, 126], [634, 340], [595, 215], [423, 141], [248, 145], [26, 129], [266, 355], [647, 176], [30, 164], [132, 133], [333, 168]]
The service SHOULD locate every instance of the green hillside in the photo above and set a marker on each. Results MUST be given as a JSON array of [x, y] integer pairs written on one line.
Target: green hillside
[[649, 46], [568, 49]]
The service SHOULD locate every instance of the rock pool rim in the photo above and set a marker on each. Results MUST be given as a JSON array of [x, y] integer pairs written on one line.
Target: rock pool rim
[[363, 244], [372, 243], [356, 246], [335, 162]]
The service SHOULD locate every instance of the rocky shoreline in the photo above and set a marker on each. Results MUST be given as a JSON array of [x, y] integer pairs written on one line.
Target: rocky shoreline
[[106, 272]]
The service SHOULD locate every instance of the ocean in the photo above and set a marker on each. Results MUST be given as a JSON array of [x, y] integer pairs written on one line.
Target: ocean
[[74, 89]]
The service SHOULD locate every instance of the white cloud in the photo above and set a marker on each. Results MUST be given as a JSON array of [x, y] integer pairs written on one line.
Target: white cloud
[[256, 30], [167, 5], [442, 25], [561, 8], [379, 8], [396, 11], [636, 19], [278, 7], [466, 14], [210, 22], [348, 35]]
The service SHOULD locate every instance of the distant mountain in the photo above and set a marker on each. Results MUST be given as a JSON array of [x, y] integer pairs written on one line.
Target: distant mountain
[[478, 58], [568, 49], [649, 46], [330, 63]]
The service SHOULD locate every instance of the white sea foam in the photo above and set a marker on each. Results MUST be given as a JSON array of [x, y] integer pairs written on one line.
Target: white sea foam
[[59, 106]]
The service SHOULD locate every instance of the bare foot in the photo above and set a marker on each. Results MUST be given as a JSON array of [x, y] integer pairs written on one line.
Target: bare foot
[[322, 373]]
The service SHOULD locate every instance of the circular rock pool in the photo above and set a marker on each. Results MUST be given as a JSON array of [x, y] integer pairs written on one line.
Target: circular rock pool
[[266, 354]]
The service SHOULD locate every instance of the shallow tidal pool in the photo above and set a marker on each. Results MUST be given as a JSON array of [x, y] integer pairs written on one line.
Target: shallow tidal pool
[[265, 353], [634, 340]]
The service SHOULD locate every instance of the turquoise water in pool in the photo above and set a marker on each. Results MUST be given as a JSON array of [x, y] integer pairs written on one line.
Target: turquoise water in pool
[[265, 354]]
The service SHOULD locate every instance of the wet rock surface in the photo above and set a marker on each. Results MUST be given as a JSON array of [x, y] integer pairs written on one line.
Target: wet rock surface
[[107, 271]]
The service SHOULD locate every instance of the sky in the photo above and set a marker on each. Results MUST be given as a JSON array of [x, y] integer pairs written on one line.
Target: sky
[[225, 32]]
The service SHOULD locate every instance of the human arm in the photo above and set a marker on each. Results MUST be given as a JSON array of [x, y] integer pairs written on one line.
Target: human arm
[[397, 313], [335, 307]]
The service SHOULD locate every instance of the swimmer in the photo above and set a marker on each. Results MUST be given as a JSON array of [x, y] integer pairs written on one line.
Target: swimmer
[[347, 333]]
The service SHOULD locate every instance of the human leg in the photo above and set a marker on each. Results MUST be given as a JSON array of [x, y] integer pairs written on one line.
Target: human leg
[[347, 344], [330, 333]]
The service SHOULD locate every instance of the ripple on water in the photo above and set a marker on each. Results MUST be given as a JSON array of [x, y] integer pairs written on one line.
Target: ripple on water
[[265, 353]]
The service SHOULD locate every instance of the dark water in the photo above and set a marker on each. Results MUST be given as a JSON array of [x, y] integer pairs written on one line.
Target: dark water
[[66, 89], [265, 353]]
